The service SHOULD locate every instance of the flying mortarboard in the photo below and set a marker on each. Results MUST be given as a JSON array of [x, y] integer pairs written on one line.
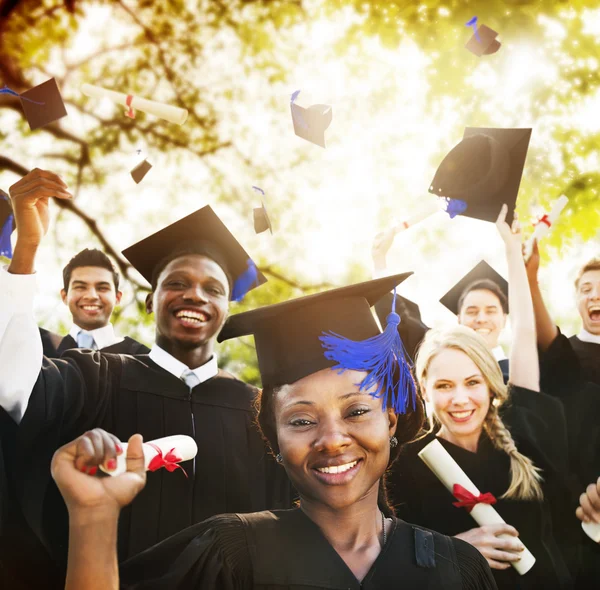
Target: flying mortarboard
[[261, 220], [43, 104], [140, 171], [335, 329], [484, 170], [7, 225], [201, 226], [311, 123], [483, 41], [482, 271]]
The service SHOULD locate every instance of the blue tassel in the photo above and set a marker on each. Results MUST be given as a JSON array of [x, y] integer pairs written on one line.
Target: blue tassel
[[5, 233], [7, 90], [380, 356], [455, 207], [245, 282]]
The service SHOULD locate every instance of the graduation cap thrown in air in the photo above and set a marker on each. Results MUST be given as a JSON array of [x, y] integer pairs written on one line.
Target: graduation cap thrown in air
[[205, 227], [140, 171], [261, 220], [43, 104], [482, 271], [7, 225], [335, 329], [483, 42], [311, 123], [484, 170]]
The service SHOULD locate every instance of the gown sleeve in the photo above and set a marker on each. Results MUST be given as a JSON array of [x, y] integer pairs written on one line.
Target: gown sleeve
[[474, 570], [560, 368], [212, 554]]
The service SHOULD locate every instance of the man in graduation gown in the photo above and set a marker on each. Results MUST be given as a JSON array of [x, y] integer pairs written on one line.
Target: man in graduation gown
[[91, 291], [193, 265]]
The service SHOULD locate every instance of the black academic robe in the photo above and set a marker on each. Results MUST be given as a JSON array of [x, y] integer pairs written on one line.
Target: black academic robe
[[548, 528], [54, 345], [285, 550], [124, 395]]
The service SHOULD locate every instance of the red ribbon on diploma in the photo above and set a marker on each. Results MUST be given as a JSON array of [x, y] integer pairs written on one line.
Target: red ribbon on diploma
[[544, 219], [130, 113], [169, 461], [468, 500]]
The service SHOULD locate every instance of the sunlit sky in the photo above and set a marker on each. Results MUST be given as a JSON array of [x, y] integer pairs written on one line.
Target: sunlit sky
[[377, 158]]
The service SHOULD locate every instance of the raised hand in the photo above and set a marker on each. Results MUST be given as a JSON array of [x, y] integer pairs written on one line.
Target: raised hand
[[510, 235], [381, 245], [88, 493], [533, 264], [589, 504], [498, 551], [29, 197]]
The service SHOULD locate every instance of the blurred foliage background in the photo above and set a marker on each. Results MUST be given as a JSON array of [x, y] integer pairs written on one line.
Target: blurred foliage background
[[402, 86]]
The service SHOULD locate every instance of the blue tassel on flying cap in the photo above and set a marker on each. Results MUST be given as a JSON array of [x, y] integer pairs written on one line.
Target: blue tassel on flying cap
[[245, 282], [381, 356], [5, 233], [455, 207]]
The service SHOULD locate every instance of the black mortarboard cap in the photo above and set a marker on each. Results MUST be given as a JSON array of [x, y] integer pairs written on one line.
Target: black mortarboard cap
[[311, 123], [484, 170], [140, 171], [482, 271], [202, 226], [287, 335], [261, 220], [484, 42], [43, 104]]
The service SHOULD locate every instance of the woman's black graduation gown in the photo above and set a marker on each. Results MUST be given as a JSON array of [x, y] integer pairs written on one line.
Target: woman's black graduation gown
[[548, 529], [124, 395], [285, 550]]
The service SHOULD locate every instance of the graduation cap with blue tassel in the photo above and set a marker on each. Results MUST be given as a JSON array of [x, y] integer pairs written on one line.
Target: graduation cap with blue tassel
[[335, 329], [7, 225], [205, 229]]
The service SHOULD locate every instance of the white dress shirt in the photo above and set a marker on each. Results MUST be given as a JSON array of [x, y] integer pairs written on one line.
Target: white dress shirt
[[103, 337], [498, 353], [586, 336], [21, 346]]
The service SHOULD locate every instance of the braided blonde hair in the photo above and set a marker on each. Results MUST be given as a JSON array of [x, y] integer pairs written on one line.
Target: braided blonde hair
[[525, 476]]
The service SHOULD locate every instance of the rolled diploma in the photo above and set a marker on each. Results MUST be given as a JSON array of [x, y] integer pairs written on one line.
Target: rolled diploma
[[400, 226], [448, 471], [185, 447], [541, 229], [592, 530], [158, 109]]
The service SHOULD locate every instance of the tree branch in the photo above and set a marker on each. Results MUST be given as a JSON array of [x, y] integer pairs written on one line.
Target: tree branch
[[268, 270]]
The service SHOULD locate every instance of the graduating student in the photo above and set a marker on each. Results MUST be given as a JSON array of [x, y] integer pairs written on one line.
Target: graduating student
[[193, 265], [91, 291], [334, 428], [511, 442]]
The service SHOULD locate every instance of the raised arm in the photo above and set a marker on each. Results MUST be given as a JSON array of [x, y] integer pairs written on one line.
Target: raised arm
[[94, 505], [20, 343], [546, 329], [524, 363]]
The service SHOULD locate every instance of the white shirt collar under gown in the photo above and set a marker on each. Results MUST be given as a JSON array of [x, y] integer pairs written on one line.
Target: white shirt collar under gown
[[103, 337], [169, 363], [585, 336], [498, 353]]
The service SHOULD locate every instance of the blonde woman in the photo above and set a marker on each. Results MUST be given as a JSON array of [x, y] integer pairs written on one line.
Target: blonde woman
[[509, 440]]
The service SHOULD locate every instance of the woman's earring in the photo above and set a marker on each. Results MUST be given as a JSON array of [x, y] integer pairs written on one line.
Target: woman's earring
[[393, 442], [279, 458]]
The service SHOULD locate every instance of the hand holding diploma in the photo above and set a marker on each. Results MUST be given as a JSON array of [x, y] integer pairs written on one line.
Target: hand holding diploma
[[158, 109], [445, 468], [544, 224]]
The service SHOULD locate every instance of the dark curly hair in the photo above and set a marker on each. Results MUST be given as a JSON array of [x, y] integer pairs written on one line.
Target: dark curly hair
[[89, 257], [409, 426]]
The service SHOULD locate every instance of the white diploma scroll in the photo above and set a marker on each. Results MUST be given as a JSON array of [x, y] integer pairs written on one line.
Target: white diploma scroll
[[448, 471], [183, 447], [592, 530], [158, 109], [400, 226], [543, 227]]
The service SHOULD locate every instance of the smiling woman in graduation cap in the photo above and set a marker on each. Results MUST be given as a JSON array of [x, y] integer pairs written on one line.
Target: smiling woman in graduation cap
[[195, 266], [337, 405]]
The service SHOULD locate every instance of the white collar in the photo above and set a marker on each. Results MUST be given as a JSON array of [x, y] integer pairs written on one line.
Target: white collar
[[169, 363], [585, 336], [103, 337], [498, 353]]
